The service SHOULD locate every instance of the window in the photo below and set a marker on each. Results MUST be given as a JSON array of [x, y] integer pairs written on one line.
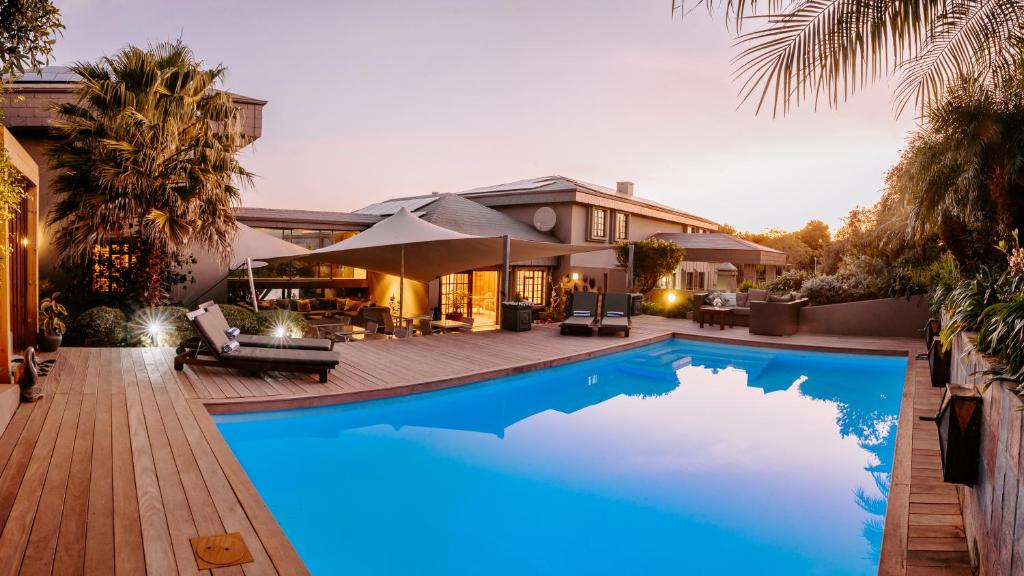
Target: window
[[311, 240], [532, 285], [701, 281], [762, 274], [598, 223], [667, 281], [454, 293], [109, 266], [621, 226], [689, 279]]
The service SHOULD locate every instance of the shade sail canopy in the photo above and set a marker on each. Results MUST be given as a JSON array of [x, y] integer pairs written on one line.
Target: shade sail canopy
[[429, 250], [251, 243]]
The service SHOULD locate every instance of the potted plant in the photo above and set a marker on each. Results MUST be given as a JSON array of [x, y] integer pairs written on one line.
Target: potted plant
[[458, 303], [517, 315], [51, 323]]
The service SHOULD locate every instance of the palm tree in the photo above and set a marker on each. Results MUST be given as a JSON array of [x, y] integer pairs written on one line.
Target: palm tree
[[147, 155], [962, 175], [825, 50]]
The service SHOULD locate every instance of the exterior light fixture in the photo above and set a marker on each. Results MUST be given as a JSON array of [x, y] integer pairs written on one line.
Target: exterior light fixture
[[575, 276], [671, 297], [24, 241], [280, 331]]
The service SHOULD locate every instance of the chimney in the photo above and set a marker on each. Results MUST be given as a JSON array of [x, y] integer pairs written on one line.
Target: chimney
[[624, 188]]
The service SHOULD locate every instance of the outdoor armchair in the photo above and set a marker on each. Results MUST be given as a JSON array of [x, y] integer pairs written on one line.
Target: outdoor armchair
[[776, 318], [582, 314]]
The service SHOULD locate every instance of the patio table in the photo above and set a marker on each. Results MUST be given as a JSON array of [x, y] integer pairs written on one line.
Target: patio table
[[340, 332], [449, 325], [723, 313]]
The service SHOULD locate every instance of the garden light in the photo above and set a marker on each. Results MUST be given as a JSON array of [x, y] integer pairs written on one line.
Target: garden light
[[671, 297], [280, 331]]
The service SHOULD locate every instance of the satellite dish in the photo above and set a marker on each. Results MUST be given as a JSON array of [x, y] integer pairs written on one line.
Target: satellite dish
[[544, 219]]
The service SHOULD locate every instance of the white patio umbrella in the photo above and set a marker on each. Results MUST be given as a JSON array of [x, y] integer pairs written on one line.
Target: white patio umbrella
[[247, 249], [405, 246]]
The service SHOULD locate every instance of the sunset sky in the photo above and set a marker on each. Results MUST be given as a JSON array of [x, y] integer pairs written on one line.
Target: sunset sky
[[370, 100]]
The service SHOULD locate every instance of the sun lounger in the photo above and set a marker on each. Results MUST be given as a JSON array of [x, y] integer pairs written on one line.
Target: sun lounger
[[215, 341], [582, 314], [616, 315], [261, 341]]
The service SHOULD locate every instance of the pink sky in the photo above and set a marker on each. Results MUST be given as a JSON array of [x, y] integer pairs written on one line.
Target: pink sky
[[370, 100]]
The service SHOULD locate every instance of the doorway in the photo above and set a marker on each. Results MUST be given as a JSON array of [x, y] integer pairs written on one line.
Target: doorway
[[484, 296]]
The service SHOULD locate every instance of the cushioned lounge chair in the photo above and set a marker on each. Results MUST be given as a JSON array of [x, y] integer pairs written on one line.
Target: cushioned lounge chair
[[261, 341], [211, 353], [615, 317], [582, 314]]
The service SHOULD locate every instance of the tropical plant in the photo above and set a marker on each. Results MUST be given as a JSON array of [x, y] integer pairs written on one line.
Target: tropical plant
[[1001, 334], [968, 299], [745, 286], [27, 36], [146, 154], [101, 326], [962, 176], [813, 51], [51, 315], [653, 258]]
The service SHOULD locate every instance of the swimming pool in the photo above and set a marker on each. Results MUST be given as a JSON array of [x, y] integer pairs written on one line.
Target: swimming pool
[[675, 458]]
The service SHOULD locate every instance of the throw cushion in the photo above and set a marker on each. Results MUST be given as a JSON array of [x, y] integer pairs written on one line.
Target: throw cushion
[[743, 300], [774, 298], [758, 295], [583, 313], [305, 305]]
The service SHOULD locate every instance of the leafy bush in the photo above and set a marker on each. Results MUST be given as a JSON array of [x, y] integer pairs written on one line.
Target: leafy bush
[[160, 326], [1001, 335], [269, 321], [101, 326], [745, 286], [242, 318], [659, 306], [832, 289], [788, 281]]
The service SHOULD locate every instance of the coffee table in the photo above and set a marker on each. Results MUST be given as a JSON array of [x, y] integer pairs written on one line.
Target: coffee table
[[723, 314], [449, 325], [340, 333]]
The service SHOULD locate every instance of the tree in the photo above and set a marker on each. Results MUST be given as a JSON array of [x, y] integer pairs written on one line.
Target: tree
[[815, 235], [28, 31], [798, 254], [962, 175], [653, 258], [146, 155], [813, 51]]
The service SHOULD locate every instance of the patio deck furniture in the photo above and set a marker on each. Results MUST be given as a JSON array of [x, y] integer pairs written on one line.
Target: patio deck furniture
[[259, 340], [582, 314], [211, 353], [615, 316], [776, 317], [722, 314], [449, 325], [425, 327], [340, 332]]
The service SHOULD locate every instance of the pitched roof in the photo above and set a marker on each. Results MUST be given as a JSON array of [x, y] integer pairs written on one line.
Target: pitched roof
[[714, 241], [719, 247], [463, 215]]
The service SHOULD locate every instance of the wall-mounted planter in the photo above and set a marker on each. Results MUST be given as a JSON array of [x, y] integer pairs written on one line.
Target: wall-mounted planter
[[959, 422]]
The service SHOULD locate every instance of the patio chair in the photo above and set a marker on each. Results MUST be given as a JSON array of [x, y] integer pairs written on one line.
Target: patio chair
[[582, 314], [373, 331], [261, 341], [215, 342], [425, 327], [615, 317]]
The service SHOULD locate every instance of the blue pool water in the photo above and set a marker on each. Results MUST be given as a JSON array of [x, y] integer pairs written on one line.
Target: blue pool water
[[675, 458]]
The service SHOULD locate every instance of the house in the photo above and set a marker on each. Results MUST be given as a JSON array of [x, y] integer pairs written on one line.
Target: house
[[28, 114], [721, 261]]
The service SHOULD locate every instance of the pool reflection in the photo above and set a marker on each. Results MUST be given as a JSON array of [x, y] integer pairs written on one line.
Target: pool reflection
[[673, 457]]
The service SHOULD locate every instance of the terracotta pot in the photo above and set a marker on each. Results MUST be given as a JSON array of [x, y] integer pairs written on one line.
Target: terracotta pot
[[456, 316], [49, 342]]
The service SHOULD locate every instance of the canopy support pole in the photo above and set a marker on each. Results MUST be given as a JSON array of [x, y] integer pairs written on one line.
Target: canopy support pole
[[252, 286], [506, 256], [401, 287], [629, 267]]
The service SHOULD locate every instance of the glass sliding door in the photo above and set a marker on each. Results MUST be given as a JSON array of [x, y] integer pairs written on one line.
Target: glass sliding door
[[484, 296]]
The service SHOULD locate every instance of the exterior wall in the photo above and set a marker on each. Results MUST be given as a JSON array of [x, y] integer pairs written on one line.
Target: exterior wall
[[37, 148], [993, 508], [883, 317], [384, 286]]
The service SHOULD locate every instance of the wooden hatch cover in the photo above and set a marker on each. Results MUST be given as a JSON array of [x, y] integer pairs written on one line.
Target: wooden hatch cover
[[220, 550]]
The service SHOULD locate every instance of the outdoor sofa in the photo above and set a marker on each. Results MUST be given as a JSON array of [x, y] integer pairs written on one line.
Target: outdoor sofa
[[775, 315], [211, 353]]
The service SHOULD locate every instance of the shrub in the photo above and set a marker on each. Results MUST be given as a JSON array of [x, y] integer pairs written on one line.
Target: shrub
[[242, 318], [101, 326], [295, 324], [788, 281], [745, 286], [826, 289], [659, 306], [1001, 335], [160, 326]]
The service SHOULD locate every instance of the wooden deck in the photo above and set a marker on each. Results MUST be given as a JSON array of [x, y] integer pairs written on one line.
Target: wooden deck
[[121, 464]]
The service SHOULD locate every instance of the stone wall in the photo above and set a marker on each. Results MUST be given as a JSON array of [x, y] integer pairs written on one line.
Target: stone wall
[[993, 509]]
